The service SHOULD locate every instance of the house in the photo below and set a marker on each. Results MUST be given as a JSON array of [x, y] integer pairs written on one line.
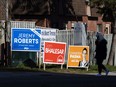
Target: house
[[59, 14]]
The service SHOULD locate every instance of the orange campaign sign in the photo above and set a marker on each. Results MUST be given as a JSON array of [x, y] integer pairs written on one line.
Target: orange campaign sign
[[54, 52], [78, 56]]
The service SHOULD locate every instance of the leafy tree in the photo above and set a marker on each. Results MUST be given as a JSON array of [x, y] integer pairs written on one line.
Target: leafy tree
[[108, 9]]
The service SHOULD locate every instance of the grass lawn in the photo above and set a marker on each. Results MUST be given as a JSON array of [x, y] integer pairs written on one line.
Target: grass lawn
[[56, 69]]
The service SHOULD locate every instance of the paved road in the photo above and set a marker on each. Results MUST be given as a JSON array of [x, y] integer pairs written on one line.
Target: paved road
[[45, 79]]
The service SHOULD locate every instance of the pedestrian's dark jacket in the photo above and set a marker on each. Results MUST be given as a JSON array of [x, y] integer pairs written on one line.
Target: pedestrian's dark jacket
[[101, 49]]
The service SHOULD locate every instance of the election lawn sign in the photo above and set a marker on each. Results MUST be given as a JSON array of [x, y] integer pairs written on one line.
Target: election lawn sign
[[77, 57], [47, 34], [54, 52], [25, 39]]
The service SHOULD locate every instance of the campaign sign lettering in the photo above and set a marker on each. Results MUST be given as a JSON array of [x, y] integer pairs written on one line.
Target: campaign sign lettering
[[25, 39]]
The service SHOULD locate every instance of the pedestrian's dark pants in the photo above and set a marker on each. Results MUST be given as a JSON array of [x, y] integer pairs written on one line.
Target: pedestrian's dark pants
[[100, 65]]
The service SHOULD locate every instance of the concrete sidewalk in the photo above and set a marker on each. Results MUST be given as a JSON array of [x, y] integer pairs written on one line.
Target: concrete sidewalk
[[109, 74]]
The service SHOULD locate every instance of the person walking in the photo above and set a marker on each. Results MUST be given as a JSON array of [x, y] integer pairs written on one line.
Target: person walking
[[101, 53]]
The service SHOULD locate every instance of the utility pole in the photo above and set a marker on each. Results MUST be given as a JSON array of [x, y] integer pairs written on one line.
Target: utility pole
[[6, 35]]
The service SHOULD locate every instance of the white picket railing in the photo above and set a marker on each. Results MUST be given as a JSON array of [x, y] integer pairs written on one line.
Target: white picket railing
[[22, 24]]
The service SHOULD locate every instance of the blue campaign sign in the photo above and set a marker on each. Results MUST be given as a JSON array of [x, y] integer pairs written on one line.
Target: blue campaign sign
[[25, 39]]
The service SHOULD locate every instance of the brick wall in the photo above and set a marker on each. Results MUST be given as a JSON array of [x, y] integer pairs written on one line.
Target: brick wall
[[92, 25]]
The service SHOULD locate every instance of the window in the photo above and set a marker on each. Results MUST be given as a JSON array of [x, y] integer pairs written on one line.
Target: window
[[99, 27]]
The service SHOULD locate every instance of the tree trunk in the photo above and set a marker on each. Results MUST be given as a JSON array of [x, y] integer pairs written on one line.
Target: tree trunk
[[112, 52]]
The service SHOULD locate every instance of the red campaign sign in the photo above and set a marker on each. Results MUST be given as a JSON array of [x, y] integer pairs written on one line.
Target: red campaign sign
[[54, 52]]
